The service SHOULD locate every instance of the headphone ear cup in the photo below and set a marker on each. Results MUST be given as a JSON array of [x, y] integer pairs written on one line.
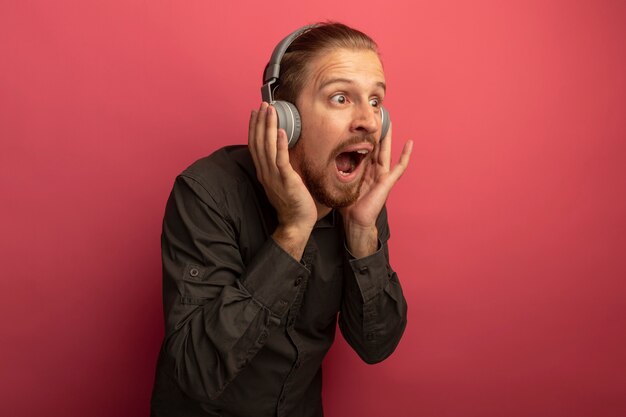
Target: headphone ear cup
[[288, 119], [385, 122]]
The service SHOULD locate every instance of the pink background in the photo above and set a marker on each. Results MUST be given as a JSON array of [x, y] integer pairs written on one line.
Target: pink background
[[508, 230]]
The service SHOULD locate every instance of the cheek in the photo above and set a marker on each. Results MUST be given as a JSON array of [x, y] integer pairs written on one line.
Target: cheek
[[322, 130], [295, 157], [317, 117]]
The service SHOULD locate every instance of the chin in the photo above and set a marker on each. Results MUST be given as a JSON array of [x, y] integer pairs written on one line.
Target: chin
[[338, 196], [327, 190]]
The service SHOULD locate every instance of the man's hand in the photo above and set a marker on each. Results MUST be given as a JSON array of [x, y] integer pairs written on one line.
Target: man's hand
[[360, 217], [285, 190]]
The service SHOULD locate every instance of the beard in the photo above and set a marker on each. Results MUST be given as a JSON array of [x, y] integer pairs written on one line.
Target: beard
[[317, 180], [318, 185]]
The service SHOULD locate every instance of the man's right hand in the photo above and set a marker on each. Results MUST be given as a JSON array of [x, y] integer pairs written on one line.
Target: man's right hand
[[285, 190]]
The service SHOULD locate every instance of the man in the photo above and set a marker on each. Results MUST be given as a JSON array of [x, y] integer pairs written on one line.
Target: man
[[265, 246]]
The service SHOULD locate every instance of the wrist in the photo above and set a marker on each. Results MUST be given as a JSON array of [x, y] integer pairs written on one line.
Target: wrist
[[292, 238], [361, 241]]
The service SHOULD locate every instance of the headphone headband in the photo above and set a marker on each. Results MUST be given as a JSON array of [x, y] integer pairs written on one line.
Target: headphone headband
[[272, 72]]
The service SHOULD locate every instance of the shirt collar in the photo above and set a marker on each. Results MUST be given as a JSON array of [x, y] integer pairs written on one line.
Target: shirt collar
[[327, 221]]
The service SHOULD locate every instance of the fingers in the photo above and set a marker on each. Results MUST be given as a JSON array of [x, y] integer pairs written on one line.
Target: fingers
[[262, 137], [282, 152], [403, 162], [270, 138], [384, 157], [252, 140], [268, 145]]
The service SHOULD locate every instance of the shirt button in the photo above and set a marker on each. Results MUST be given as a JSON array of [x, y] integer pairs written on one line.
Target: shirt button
[[263, 337], [194, 272], [363, 270], [369, 336], [298, 281]]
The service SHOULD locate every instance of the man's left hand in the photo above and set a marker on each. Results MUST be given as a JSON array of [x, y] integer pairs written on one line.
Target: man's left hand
[[360, 217]]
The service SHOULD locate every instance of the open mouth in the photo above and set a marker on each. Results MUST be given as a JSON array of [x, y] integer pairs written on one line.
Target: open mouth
[[348, 162]]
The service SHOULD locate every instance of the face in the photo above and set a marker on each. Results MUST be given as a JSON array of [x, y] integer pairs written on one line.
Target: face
[[340, 111]]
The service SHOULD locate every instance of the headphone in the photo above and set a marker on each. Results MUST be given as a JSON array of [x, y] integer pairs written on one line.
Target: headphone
[[288, 116]]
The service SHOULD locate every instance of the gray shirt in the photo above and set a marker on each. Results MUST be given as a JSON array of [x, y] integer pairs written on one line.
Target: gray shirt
[[246, 325]]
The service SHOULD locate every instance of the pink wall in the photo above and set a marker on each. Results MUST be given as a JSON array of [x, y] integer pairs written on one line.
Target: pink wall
[[509, 229]]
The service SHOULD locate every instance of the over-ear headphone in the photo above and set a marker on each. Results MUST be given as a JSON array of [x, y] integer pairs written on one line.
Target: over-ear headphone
[[288, 116]]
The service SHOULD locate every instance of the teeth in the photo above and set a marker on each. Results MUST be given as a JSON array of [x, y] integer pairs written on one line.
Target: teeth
[[363, 151]]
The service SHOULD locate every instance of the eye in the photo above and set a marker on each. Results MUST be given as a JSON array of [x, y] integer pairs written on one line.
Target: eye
[[374, 102], [339, 99]]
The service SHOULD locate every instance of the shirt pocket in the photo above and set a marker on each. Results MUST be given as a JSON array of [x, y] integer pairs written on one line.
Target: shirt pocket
[[196, 288]]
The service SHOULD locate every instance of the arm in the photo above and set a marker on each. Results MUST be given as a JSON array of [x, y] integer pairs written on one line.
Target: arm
[[374, 311], [218, 311]]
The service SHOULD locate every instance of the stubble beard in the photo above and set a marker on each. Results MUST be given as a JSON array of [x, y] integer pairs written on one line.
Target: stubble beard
[[322, 191], [318, 181]]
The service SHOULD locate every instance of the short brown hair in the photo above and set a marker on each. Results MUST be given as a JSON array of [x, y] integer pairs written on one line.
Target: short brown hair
[[323, 37]]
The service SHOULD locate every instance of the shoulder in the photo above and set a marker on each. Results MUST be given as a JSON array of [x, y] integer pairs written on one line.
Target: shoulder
[[224, 177], [226, 171], [225, 167]]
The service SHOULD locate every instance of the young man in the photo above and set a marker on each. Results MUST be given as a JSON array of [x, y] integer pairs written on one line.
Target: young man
[[265, 246]]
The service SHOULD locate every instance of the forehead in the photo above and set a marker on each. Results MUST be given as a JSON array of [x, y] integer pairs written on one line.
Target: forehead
[[361, 66]]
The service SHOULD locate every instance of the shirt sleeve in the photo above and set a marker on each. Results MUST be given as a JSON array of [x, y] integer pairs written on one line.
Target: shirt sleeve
[[218, 311], [374, 311]]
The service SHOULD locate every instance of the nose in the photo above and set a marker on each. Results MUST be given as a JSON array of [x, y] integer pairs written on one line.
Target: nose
[[365, 118]]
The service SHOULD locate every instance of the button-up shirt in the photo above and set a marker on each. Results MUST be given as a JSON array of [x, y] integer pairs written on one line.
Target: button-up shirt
[[246, 325]]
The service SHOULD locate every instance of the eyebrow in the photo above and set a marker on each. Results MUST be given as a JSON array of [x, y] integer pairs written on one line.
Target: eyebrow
[[348, 81]]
